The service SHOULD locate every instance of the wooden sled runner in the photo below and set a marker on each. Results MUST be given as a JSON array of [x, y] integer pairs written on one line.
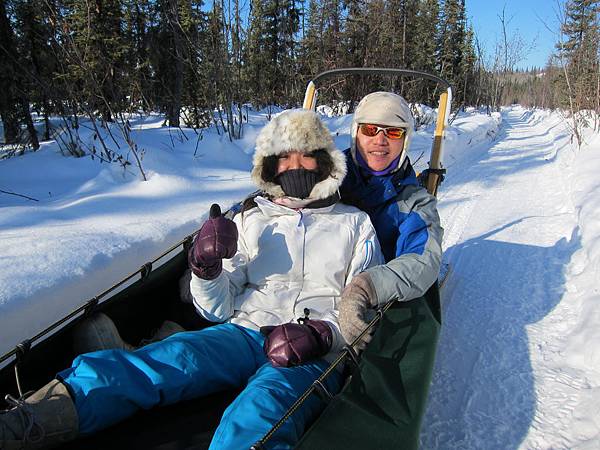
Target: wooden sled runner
[[381, 405]]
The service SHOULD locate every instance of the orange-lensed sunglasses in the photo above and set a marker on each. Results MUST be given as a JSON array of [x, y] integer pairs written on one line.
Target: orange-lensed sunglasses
[[368, 129]]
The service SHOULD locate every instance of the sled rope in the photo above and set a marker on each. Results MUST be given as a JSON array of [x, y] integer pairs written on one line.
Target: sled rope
[[348, 353]]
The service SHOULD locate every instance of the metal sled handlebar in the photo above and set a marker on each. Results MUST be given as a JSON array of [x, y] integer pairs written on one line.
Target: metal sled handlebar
[[436, 170], [314, 84], [348, 353]]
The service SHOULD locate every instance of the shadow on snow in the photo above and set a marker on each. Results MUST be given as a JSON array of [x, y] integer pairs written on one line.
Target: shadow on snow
[[483, 389]]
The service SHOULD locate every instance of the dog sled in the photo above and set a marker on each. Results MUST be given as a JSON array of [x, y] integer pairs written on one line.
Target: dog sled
[[398, 362]]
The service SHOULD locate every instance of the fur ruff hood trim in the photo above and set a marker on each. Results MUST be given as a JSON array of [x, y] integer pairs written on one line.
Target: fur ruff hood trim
[[298, 130]]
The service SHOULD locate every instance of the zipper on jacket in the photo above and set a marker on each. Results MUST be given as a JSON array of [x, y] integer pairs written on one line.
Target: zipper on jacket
[[301, 289], [301, 218]]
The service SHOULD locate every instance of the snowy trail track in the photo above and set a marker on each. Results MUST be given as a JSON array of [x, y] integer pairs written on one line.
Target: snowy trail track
[[510, 231]]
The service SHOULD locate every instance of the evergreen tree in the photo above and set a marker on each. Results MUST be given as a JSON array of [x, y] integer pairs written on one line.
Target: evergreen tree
[[171, 62], [188, 59], [219, 69], [426, 32], [196, 97], [289, 49], [354, 50], [355, 33], [468, 69], [8, 78], [451, 44], [138, 23], [425, 43], [580, 53], [312, 45], [323, 39], [406, 46], [39, 60], [256, 72], [14, 101], [231, 85], [375, 13], [581, 25], [397, 37], [95, 50], [272, 51]]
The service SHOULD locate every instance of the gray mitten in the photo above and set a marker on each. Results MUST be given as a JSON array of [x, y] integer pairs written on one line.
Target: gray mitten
[[356, 309]]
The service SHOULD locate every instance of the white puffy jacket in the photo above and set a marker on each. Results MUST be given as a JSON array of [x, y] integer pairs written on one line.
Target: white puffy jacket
[[287, 261]]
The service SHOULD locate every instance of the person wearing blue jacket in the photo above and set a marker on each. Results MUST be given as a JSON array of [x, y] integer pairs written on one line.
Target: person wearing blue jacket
[[382, 182]]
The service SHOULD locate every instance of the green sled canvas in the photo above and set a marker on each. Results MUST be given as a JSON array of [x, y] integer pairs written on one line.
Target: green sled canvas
[[382, 405]]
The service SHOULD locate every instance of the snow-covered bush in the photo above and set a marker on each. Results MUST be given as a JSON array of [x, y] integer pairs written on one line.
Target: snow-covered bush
[[424, 115]]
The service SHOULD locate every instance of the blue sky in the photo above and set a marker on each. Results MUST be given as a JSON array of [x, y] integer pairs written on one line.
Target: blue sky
[[527, 19]]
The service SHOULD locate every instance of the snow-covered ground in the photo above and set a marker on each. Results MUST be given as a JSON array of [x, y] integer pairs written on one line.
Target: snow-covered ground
[[519, 355]]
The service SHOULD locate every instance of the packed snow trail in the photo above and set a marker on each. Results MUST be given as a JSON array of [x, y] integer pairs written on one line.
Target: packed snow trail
[[510, 232]]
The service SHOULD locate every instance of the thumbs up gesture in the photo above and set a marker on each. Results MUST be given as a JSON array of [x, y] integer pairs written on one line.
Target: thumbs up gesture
[[217, 239]]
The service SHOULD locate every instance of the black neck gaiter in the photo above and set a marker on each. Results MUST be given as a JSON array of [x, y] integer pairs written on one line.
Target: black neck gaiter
[[297, 182]]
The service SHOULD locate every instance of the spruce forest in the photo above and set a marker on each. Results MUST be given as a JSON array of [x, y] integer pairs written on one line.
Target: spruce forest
[[202, 63]]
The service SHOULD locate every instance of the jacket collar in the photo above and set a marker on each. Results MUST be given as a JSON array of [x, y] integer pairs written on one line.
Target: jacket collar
[[364, 189], [270, 209]]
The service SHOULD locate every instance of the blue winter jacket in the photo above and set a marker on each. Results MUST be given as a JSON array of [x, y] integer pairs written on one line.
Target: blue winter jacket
[[408, 227]]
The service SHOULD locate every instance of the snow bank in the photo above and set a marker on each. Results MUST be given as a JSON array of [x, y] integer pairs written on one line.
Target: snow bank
[[94, 223], [581, 350]]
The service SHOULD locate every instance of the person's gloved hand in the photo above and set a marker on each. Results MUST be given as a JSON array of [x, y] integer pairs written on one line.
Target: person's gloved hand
[[217, 239], [356, 309], [292, 344]]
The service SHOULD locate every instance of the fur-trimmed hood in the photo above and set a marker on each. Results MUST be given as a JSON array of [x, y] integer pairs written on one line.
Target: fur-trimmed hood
[[298, 130]]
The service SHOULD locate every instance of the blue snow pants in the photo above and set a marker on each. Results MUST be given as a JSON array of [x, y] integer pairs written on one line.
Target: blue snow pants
[[111, 385]]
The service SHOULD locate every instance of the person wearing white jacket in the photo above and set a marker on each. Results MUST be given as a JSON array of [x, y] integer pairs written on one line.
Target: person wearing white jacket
[[257, 288], [287, 256]]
